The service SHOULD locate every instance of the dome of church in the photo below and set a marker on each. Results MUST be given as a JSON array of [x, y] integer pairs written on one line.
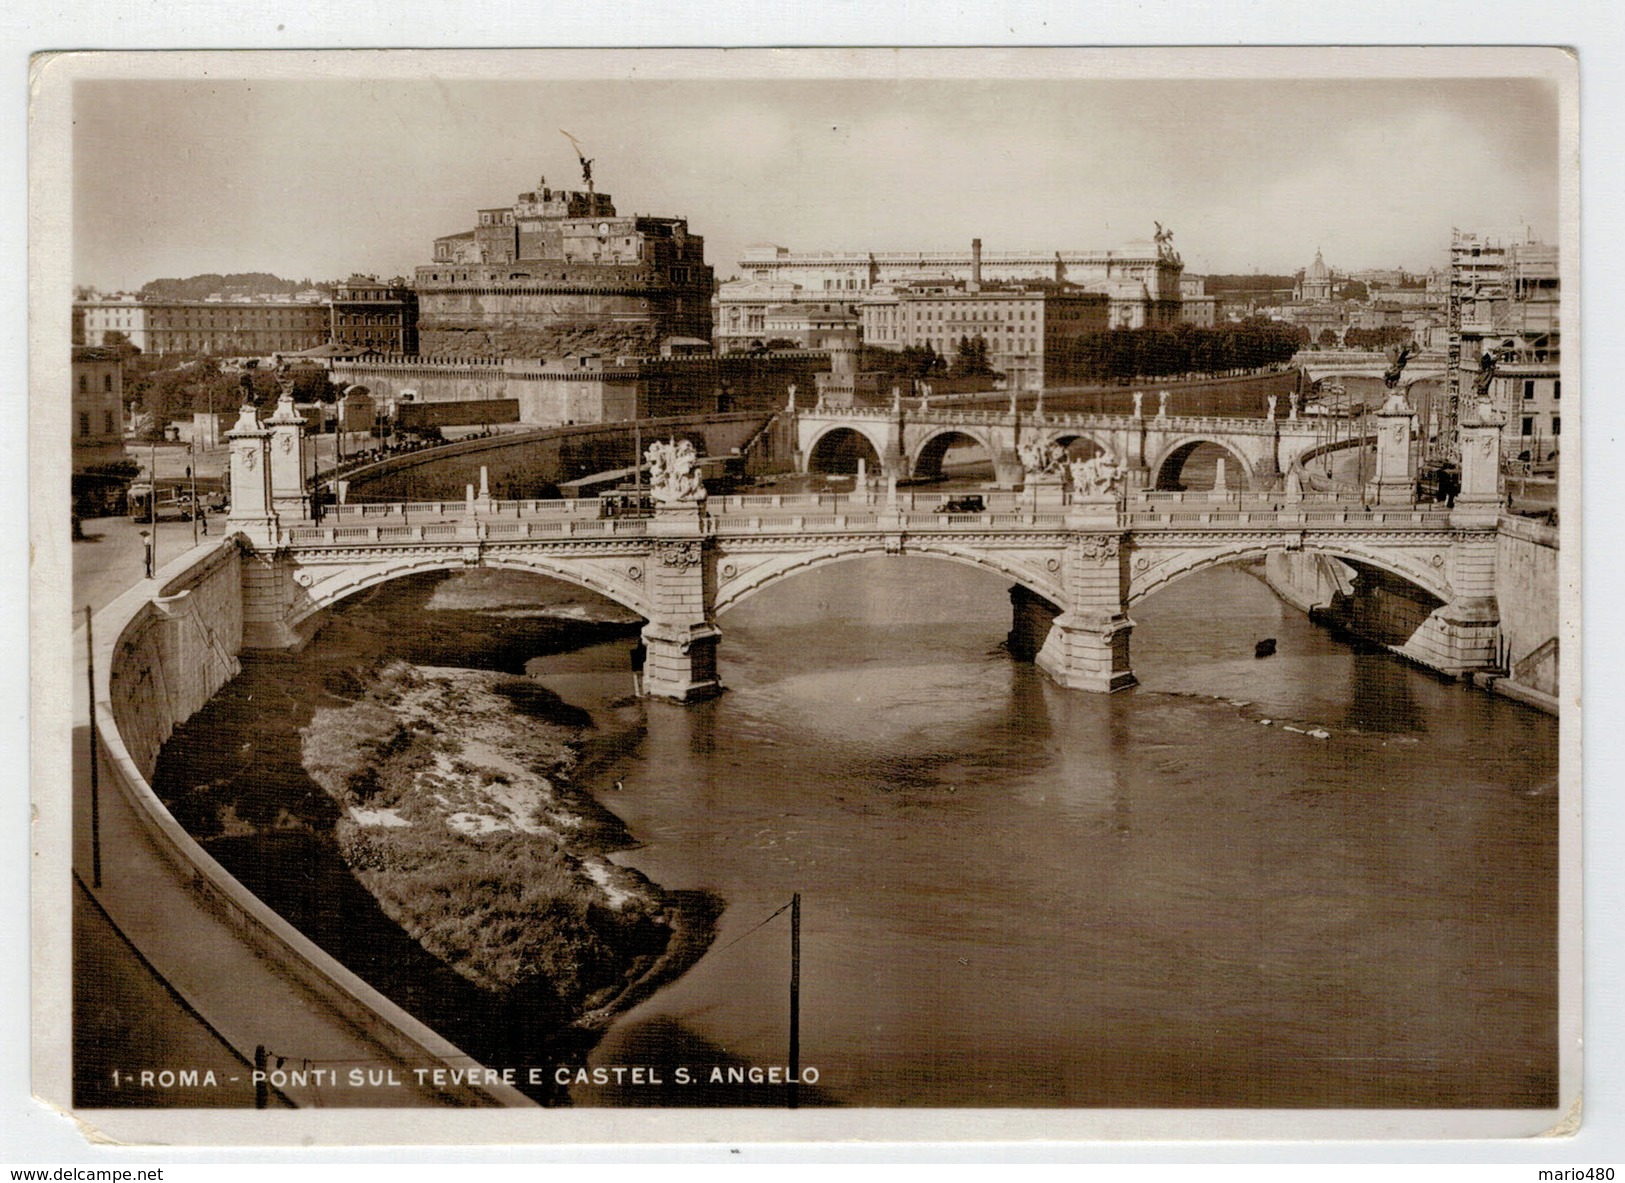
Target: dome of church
[[1318, 269]]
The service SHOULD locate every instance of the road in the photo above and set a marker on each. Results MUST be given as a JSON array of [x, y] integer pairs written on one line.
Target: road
[[108, 560]]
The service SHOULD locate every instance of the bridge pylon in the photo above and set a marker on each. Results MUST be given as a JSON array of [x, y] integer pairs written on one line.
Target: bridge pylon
[[1088, 643], [680, 640]]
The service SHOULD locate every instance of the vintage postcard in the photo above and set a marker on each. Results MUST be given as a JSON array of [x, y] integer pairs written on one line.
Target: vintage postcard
[[907, 594]]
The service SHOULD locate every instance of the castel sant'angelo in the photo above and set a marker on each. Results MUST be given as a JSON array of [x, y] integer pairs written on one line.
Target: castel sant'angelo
[[560, 273]]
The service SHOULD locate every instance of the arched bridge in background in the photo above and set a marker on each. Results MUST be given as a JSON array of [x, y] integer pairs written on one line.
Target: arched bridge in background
[[911, 443]]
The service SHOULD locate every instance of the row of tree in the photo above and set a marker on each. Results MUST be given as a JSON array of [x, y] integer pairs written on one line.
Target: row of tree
[[923, 361], [1127, 354], [238, 283], [1383, 338]]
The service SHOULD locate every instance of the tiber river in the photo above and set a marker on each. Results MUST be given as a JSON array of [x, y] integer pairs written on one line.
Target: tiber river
[[1323, 878]]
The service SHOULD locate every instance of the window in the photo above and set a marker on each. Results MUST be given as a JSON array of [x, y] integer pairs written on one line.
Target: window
[[107, 422], [1529, 388], [84, 422], [1557, 425], [107, 383], [1557, 389], [1529, 425], [84, 384]]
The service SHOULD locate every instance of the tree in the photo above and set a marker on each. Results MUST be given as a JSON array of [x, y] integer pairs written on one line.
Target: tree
[[971, 360], [121, 344]]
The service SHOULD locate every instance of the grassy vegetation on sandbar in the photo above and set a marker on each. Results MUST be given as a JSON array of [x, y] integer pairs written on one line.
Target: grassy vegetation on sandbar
[[457, 820]]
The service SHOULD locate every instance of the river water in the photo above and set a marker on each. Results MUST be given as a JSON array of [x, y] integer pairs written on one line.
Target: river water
[[1018, 895], [1322, 878]]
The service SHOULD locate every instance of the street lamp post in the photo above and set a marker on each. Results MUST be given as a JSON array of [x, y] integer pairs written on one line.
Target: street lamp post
[[147, 541], [191, 469]]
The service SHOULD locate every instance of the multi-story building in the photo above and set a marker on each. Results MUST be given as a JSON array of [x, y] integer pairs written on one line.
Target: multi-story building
[[94, 319], [1503, 300], [96, 398], [740, 309], [1196, 307], [1026, 327], [1141, 281], [252, 327], [559, 273], [823, 326], [374, 316], [97, 377]]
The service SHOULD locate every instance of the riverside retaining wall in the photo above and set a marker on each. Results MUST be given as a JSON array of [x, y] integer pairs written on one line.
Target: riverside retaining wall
[[1528, 590], [158, 659], [1381, 608]]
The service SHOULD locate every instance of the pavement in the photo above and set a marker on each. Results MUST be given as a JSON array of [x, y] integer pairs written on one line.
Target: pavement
[[108, 561]]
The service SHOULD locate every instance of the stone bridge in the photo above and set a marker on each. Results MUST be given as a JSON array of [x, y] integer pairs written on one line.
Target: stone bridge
[[1319, 365], [911, 443], [1077, 564]]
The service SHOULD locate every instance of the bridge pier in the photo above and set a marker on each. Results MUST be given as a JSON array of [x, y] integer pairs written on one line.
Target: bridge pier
[[1088, 644], [680, 640]]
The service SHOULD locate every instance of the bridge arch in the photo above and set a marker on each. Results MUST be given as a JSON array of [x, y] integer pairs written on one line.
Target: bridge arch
[[1165, 469], [315, 592], [1157, 574], [933, 449], [1031, 576], [1080, 445], [835, 448]]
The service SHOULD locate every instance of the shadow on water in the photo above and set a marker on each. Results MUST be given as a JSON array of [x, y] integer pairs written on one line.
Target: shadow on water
[[1380, 697], [538, 702], [691, 1071]]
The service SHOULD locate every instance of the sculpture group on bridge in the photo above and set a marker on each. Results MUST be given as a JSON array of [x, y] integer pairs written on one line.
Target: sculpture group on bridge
[[674, 472], [1039, 458], [1098, 476]]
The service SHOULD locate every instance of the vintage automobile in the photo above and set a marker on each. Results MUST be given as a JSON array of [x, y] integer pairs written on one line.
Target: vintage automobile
[[168, 505]]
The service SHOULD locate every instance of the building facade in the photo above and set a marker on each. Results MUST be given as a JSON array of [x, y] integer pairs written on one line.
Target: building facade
[[374, 316], [96, 431], [235, 327], [1503, 300], [1026, 328], [559, 273], [1141, 280]]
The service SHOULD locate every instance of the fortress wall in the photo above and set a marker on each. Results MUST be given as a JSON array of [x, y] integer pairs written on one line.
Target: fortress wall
[[519, 467]]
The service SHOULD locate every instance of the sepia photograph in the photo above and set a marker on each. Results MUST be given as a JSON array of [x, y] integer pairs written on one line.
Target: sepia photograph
[[806, 593]]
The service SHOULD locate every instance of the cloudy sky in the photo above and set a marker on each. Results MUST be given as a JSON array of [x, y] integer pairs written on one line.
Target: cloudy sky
[[226, 167]]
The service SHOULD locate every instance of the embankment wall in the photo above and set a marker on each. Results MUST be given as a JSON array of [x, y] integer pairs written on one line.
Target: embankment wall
[[1528, 589], [1384, 609], [158, 660]]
